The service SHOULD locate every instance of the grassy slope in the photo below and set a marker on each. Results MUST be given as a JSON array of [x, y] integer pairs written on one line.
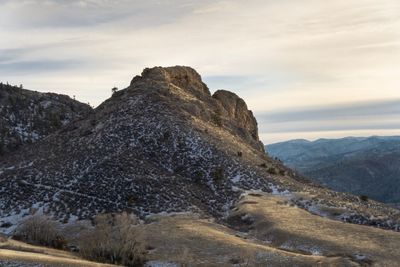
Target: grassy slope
[[15, 251], [201, 242], [298, 231], [268, 232]]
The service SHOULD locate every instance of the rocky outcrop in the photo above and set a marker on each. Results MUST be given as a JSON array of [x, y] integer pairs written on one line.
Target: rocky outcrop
[[183, 77], [27, 116], [235, 110], [224, 108]]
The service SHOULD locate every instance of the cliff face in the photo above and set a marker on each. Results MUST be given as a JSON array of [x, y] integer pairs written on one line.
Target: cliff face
[[242, 121], [27, 116]]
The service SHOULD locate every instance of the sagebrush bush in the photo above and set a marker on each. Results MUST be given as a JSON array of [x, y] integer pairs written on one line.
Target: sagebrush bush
[[218, 174], [40, 230], [3, 238], [114, 239], [272, 170]]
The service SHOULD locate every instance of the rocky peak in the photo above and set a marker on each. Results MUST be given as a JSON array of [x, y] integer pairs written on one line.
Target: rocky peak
[[181, 76], [224, 109]]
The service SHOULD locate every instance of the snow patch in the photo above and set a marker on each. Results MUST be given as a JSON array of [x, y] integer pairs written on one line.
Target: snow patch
[[160, 264]]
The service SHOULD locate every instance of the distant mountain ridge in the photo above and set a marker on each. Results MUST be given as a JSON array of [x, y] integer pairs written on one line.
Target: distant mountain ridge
[[359, 165]]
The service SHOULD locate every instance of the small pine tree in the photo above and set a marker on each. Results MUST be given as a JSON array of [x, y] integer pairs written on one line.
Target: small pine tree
[[114, 90]]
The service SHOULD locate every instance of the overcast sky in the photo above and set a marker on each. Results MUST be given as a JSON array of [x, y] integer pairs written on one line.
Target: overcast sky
[[307, 68]]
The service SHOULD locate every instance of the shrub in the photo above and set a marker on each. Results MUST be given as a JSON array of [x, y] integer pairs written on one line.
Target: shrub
[[272, 170], [217, 118], [198, 176], [263, 165], [218, 174], [363, 198], [3, 238], [40, 230], [114, 90], [114, 239]]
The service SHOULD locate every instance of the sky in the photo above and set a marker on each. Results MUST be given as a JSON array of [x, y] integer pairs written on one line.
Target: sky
[[306, 68]]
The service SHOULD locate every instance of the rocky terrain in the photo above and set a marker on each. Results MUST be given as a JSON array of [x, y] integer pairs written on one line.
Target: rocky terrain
[[361, 166], [164, 145], [27, 116]]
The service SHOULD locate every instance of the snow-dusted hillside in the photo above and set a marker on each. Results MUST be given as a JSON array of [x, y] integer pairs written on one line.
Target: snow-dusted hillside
[[164, 144], [27, 116]]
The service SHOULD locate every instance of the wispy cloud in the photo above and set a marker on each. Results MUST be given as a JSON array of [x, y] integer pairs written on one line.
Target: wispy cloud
[[37, 66], [377, 117], [343, 111]]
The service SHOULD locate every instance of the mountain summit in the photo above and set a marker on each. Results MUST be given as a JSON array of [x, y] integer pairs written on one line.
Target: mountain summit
[[223, 108]]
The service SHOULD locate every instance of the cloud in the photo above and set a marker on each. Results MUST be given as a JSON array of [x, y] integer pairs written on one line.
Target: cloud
[[343, 111], [87, 13], [37, 66], [373, 117]]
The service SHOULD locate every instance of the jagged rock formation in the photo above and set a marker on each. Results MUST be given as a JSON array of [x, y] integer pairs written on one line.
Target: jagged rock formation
[[27, 116], [164, 144], [242, 121]]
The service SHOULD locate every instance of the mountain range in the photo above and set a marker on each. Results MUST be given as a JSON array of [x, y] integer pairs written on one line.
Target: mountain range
[[362, 166]]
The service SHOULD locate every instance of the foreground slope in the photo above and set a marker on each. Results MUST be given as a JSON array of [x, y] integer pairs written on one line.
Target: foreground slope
[[17, 254], [263, 230], [362, 166]]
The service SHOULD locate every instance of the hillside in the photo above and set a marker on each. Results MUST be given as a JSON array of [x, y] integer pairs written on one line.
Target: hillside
[[27, 116], [362, 166], [190, 164], [17, 254]]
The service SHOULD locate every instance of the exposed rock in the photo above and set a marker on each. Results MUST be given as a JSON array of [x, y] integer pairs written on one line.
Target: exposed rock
[[224, 108], [183, 77], [235, 109]]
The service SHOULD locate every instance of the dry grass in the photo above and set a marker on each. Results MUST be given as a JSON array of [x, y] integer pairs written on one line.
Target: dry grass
[[297, 230], [22, 252], [211, 244], [273, 233]]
